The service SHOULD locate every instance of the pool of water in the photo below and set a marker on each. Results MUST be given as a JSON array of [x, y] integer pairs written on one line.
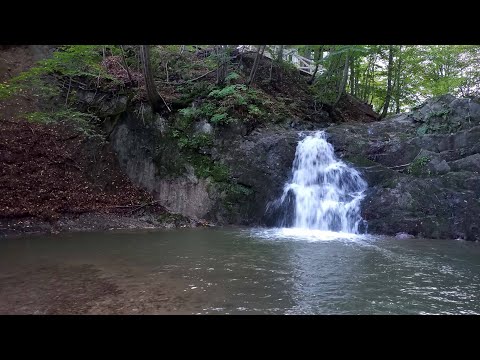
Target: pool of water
[[237, 271]]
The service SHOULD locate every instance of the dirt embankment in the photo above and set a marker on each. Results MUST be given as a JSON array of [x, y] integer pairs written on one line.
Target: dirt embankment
[[54, 178]]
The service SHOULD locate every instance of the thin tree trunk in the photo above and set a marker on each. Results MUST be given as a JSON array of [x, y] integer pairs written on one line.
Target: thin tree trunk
[[260, 50], [343, 83], [271, 69], [318, 58], [312, 78], [125, 64], [223, 62], [389, 83], [154, 97], [352, 76], [371, 80], [280, 53], [357, 70], [398, 81], [307, 52], [364, 83]]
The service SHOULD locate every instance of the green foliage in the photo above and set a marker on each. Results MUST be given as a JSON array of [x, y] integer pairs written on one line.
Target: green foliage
[[212, 111], [438, 114], [361, 161], [202, 140], [288, 67], [417, 167], [221, 105], [234, 193], [193, 91], [190, 113], [240, 100], [419, 72], [172, 48], [205, 168], [7, 90], [208, 109], [219, 118], [438, 122], [74, 60], [389, 183], [220, 172], [232, 76], [194, 142], [70, 60], [82, 122], [238, 190], [254, 110], [226, 91], [67, 62]]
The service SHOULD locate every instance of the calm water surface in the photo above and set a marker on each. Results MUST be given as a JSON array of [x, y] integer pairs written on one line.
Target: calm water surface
[[237, 271]]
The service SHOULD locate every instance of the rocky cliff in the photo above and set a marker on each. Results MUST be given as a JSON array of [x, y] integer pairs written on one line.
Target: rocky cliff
[[422, 169]]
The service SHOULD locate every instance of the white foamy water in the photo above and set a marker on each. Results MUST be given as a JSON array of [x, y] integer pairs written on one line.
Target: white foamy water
[[326, 191], [309, 235]]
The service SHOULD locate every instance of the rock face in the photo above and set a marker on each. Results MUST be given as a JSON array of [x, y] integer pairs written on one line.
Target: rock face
[[422, 169], [136, 145], [259, 162]]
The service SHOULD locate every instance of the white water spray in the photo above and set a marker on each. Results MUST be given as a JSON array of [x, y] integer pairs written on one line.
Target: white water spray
[[327, 192]]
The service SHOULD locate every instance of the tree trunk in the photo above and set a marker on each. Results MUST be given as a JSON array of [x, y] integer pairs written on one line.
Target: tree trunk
[[280, 53], [369, 79], [397, 97], [271, 70], [260, 50], [352, 76], [153, 96], [398, 77], [318, 58], [389, 83], [343, 83], [222, 56], [126, 65], [312, 78], [307, 52], [357, 70]]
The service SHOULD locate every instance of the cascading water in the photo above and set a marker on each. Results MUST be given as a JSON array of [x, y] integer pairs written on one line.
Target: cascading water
[[326, 191]]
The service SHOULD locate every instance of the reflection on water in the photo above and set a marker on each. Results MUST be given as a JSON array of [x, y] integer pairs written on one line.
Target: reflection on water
[[237, 271]]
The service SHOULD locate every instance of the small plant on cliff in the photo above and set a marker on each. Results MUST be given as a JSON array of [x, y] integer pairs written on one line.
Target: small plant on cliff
[[440, 113], [219, 118], [417, 166], [190, 113]]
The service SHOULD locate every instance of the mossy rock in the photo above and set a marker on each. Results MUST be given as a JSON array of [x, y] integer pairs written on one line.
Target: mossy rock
[[360, 161]]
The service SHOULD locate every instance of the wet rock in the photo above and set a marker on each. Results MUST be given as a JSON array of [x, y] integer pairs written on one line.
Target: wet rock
[[203, 127], [402, 236]]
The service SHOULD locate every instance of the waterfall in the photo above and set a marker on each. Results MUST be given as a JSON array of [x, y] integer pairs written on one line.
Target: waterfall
[[326, 193]]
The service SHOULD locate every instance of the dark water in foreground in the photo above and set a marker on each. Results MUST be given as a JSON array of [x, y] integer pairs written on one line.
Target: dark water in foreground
[[236, 271]]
